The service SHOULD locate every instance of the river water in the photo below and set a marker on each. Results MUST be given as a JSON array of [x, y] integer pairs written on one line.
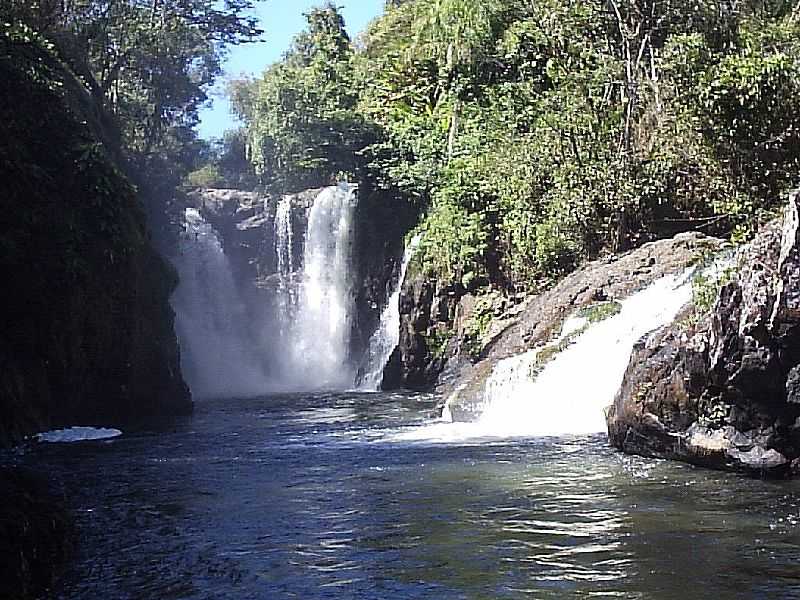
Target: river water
[[317, 496]]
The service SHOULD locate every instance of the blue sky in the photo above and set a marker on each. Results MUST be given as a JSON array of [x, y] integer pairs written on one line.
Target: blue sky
[[281, 20]]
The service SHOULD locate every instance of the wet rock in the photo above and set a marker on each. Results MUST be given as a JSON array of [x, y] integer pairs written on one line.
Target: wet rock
[[528, 322], [793, 385], [726, 384]]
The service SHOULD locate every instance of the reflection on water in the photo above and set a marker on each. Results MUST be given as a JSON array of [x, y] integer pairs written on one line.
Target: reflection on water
[[314, 497]]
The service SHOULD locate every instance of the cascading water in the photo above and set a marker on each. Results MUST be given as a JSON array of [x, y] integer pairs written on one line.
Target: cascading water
[[387, 336], [284, 240], [318, 323], [211, 320], [571, 391]]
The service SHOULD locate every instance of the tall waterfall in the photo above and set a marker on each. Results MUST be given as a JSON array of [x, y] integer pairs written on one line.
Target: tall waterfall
[[217, 356], [318, 322], [572, 389], [387, 336]]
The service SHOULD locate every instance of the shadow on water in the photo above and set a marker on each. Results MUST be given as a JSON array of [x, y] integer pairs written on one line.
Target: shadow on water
[[301, 496]]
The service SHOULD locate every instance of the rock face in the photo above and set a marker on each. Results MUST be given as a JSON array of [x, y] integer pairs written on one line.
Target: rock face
[[245, 222], [513, 325], [721, 389], [427, 313], [86, 334]]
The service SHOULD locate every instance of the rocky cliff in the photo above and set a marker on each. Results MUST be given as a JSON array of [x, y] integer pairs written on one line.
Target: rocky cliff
[[722, 388], [451, 338], [86, 331]]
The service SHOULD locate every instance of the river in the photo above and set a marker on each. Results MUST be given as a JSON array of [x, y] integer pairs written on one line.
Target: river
[[318, 496]]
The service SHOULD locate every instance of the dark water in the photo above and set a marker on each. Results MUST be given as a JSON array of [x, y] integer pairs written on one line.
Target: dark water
[[308, 497]]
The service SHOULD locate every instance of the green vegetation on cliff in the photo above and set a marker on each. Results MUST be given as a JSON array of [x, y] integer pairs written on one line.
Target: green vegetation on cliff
[[532, 136], [146, 66]]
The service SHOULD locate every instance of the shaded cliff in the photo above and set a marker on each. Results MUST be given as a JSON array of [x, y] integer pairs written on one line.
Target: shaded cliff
[[87, 331], [720, 388]]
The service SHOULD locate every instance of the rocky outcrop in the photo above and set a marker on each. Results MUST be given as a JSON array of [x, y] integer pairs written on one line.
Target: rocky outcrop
[[428, 315], [86, 334], [453, 339], [721, 388], [245, 222]]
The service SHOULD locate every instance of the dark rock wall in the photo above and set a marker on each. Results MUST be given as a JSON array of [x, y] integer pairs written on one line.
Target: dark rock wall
[[721, 389], [86, 334], [429, 341], [382, 221]]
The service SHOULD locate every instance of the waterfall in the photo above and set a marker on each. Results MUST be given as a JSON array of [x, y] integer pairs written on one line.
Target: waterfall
[[570, 393], [565, 390], [284, 240], [211, 320], [385, 339], [319, 323]]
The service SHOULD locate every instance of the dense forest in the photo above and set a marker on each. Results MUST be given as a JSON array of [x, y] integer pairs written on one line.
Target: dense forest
[[531, 136]]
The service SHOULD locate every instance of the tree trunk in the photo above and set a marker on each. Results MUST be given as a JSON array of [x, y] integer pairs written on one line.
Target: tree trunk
[[453, 134]]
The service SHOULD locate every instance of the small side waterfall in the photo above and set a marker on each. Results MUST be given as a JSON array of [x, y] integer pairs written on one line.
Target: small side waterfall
[[317, 324], [387, 336], [211, 321], [571, 390], [532, 394]]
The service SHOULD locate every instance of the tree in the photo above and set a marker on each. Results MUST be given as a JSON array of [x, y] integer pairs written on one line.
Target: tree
[[149, 62], [301, 119]]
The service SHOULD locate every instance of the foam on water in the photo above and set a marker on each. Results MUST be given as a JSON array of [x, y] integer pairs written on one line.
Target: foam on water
[[77, 434]]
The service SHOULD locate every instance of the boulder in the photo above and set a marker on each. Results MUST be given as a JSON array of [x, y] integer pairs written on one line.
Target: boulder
[[724, 386]]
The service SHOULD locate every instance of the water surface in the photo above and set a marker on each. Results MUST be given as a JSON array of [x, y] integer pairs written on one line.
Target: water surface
[[315, 497]]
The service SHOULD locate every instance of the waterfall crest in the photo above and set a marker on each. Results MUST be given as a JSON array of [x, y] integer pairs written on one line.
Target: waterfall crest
[[210, 318], [386, 337]]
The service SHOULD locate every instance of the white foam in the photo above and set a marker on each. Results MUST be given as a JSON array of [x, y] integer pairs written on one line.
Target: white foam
[[571, 391], [78, 434]]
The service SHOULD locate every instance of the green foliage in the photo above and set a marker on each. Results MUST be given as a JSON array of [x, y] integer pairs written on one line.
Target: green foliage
[[144, 68], [207, 176], [303, 128], [478, 323], [706, 286], [600, 312], [534, 136], [436, 341]]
